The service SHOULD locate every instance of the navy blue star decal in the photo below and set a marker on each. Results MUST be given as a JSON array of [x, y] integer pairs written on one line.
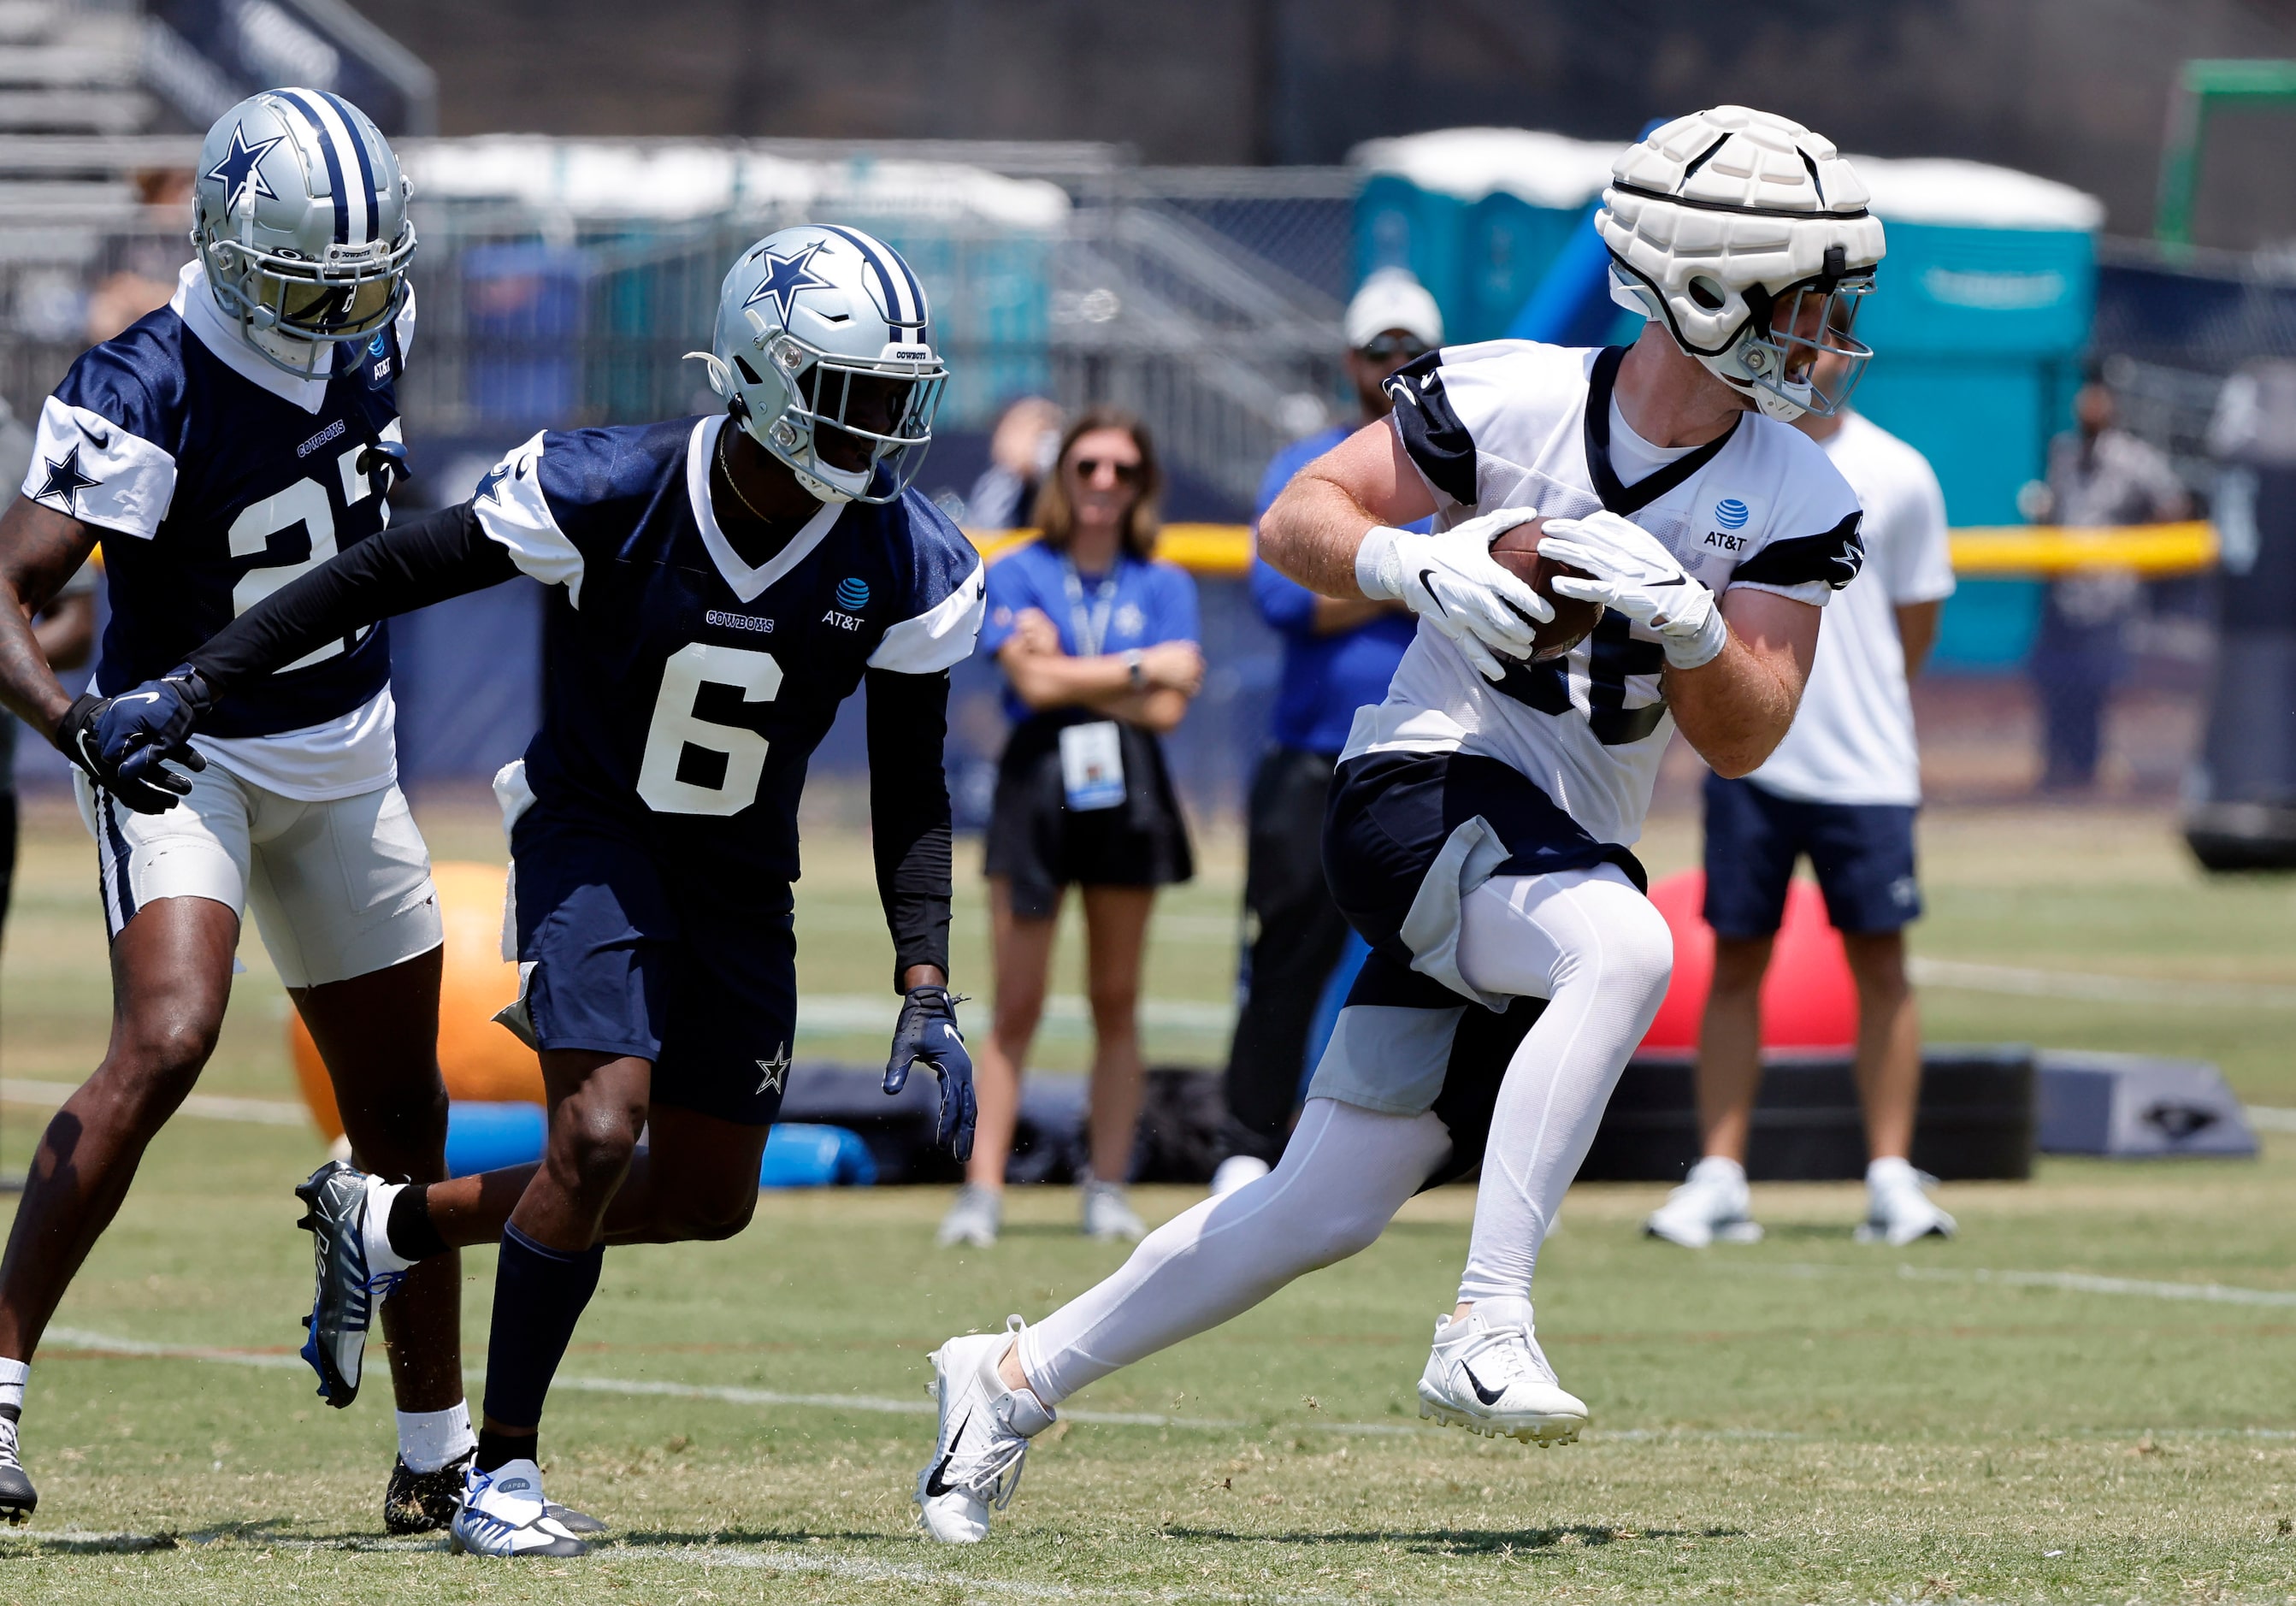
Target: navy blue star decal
[[787, 275], [239, 170], [490, 483], [64, 481]]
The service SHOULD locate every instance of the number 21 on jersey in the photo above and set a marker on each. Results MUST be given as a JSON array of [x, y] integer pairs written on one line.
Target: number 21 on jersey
[[683, 750]]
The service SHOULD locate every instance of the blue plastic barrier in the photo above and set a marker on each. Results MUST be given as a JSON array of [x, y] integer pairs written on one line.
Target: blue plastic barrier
[[800, 1155], [488, 1137]]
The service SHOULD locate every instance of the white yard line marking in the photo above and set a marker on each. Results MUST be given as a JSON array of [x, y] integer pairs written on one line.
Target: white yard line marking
[[2074, 1282], [213, 1107], [2092, 987], [78, 1338], [2084, 1282], [2264, 1118]]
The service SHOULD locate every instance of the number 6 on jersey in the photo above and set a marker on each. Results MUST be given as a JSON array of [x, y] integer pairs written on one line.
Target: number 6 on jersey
[[676, 728]]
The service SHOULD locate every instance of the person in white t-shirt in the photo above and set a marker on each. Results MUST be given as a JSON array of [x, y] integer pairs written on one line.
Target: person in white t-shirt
[[1842, 787]]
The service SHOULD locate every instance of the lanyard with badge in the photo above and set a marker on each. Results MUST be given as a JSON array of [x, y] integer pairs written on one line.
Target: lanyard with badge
[[1091, 754]]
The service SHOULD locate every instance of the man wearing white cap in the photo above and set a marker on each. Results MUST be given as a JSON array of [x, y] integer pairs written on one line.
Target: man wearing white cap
[[1338, 655]]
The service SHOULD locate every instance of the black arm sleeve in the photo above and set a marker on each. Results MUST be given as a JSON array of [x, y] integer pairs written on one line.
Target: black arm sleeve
[[408, 566], [908, 814]]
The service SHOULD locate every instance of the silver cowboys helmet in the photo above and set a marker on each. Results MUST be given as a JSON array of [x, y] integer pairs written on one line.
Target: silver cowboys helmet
[[823, 353], [1748, 236], [298, 215]]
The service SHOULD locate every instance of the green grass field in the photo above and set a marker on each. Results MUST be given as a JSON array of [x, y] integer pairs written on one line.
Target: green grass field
[[2087, 1396]]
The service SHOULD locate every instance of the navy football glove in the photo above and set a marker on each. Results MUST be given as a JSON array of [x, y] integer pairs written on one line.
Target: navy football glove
[[127, 744], [927, 1031]]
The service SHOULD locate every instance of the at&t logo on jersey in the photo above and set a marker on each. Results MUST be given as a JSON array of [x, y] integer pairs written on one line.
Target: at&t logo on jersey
[[852, 595], [1732, 515]]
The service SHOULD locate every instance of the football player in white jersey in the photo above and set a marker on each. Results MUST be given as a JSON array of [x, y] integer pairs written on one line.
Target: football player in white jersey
[[1481, 826]]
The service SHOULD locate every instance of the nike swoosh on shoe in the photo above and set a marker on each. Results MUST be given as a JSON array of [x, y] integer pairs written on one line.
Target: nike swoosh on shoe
[[1490, 1397], [934, 1487]]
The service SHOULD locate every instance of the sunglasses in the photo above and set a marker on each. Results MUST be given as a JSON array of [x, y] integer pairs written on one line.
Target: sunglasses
[[1088, 470], [1386, 348]]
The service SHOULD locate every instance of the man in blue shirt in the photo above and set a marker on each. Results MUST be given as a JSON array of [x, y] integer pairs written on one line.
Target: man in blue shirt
[[1337, 657]]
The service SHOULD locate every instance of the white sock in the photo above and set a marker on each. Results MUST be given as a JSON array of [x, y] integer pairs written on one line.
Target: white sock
[[1593, 945], [1343, 1176], [430, 1439], [1720, 1167], [374, 1231], [13, 1376], [1895, 1172]]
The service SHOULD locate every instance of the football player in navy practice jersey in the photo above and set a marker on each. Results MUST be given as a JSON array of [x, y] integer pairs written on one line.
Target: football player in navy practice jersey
[[719, 585], [232, 439]]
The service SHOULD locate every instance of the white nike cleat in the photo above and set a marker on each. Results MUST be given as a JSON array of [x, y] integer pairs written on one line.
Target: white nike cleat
[[1108, 1214], [1487, 1374], [974, 1217], [503, 1513], [985, 1429], [1237, 1171], [1898, 1209], [1710, 1206]]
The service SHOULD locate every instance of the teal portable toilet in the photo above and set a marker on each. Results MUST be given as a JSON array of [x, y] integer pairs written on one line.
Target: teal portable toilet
[[1476, 214], [1978, 320]]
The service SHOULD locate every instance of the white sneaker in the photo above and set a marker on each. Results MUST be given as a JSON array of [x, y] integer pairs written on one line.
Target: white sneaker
[[1487, 1374], [976, 1217], [985, 1429], [1898, 1209], [1108, 1215], [1710, 1204], [504, 1514], [1236, 1171]]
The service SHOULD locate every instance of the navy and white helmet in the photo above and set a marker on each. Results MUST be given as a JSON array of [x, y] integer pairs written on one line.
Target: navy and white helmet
[[823, 353], [299, 214]]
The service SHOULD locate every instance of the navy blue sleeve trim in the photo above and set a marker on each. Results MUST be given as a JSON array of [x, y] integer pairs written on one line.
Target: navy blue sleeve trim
[[1437, 442], [1832, 558]]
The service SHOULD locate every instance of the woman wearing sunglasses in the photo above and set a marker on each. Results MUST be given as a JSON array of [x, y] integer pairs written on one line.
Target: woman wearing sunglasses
[[1097, 641]]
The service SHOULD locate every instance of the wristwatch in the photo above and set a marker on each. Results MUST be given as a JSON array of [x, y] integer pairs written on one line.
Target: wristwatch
[[1132, 668]]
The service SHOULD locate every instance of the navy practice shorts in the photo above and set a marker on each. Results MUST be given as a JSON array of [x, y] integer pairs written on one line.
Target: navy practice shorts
[[1406, 837], [635, 953], [1863, 854]]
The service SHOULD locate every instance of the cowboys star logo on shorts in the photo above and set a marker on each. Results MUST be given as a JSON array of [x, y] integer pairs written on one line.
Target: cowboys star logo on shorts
[[787, 275], [777, 1071]]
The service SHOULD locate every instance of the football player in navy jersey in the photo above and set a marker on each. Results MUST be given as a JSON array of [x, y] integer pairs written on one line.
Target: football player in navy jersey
[[218, 447], [720, 585]]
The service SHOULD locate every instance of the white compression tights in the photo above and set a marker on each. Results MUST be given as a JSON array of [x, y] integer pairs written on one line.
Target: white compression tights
[[1587, 941], [1593, 945]]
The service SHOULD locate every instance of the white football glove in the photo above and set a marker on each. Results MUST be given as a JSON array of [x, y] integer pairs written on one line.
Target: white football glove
[[1450, 579], [1634, 573]]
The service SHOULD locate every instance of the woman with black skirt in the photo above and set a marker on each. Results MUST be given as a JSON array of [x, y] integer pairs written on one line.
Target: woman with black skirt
[[1097, 641]]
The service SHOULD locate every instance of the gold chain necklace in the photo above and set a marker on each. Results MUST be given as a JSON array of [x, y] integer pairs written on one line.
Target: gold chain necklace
[[726, 460]]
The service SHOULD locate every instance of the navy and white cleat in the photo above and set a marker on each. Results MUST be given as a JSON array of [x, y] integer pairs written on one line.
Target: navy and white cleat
[[1488, 1375], [347, 1293], [985, 1429], [18, 1497], [503, 1513]]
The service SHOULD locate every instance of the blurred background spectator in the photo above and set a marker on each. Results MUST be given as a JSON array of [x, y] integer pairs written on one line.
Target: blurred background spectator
[[1098, 643], [1021, 448], [1338, 655], [2099, 476]]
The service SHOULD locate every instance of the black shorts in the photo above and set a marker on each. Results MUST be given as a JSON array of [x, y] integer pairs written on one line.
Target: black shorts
[[1041, 843], [626, 950], [1404, 835], [1863, 854]]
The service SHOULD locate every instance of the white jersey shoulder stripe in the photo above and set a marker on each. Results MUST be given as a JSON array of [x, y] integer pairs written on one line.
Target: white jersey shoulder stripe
[[514, 513], [85, 466], [940, 637]]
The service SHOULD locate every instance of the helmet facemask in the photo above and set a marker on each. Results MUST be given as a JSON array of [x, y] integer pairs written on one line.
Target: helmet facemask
[[1773, 356], [851, 428], [284, 301]]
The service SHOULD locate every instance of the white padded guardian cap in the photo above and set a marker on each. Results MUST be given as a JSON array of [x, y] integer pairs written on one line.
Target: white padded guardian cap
[[1748, 236]]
